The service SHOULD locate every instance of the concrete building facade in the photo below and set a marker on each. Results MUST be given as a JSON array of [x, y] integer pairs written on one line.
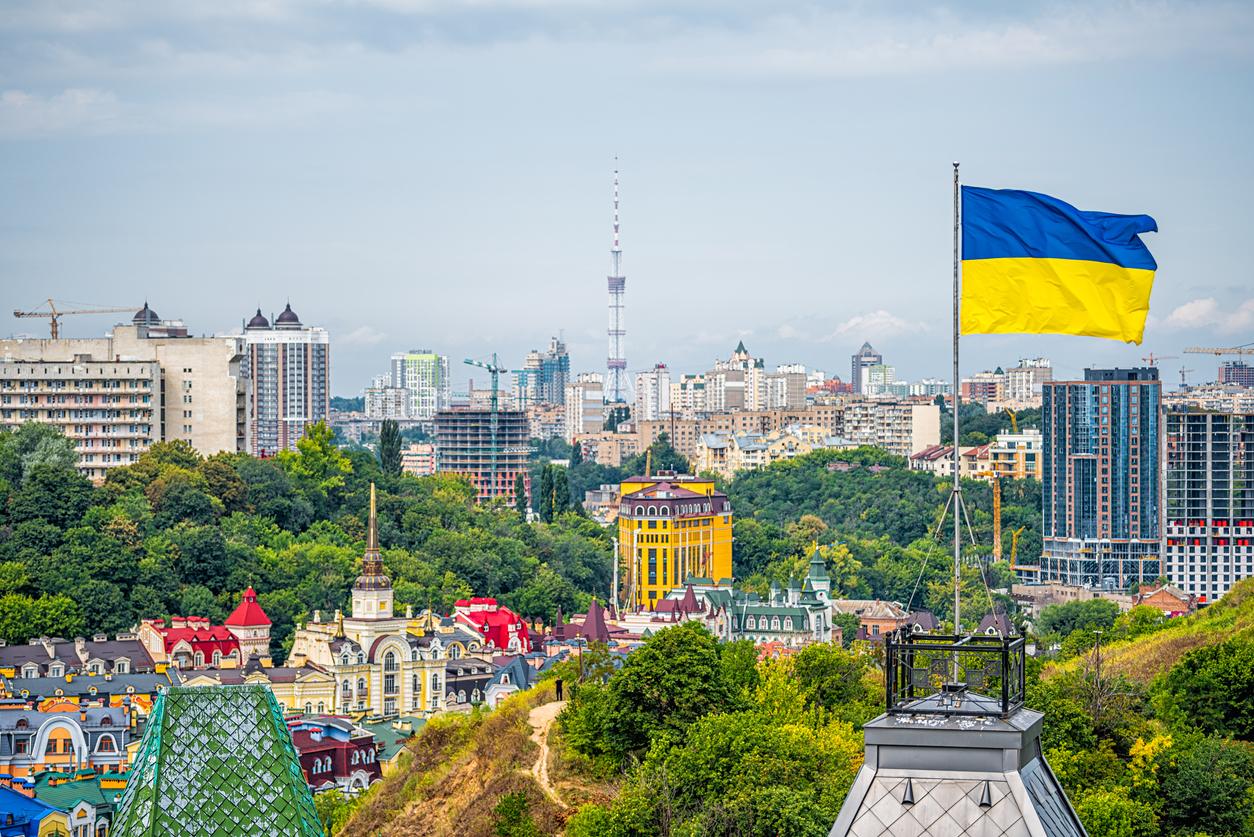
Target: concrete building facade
[[464, 438], [424, 375], [288, 370], [653, 393], [585, 405], [863, 360]]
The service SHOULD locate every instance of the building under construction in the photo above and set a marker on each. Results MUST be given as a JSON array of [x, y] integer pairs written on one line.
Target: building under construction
[[464, 438]]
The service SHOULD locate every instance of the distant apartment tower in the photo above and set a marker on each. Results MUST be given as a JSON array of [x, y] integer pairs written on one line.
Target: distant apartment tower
[[585, 405], [387, 403], [653, 393], [420, 460], [1208, 543], [863, 360], [544, 376], [1024, 382], [1099, 478], [425, 375], [688, 396], [1236, 372], [145, 381], [784, 391], [464, 440], [901, 428], [288, 371]]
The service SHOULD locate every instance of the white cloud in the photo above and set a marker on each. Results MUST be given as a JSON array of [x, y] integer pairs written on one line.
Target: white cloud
[[364, 336], [1207, 313], [787, 332], [73, 111], [876, 324]]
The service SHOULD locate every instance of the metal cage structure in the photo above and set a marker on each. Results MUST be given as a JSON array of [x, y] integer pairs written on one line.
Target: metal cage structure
[[974, 675]]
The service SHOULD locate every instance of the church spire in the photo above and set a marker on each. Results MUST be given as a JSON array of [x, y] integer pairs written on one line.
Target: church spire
[[372, 528], [372, 577]]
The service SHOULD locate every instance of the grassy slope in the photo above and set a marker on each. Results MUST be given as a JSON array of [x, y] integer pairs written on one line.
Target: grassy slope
[[460, 768], [1145, 658]]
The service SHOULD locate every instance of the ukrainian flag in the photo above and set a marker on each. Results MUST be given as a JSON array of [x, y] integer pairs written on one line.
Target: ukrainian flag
[[1032, 264]]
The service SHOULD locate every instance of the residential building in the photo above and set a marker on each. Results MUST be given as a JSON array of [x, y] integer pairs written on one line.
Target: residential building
[[512, 675], [1099, 478], [190, 642], [544, 376], [930, 387], [424, 375], [71, 692], [973, 462], [863, 360], [385, 664], [1168, 598], [602, 503], [1238, 373], [900, 428], [1224, 398], [688, 396], [288, 370], [26, 816], [335, 753], [70, 739], [307, 688], [984, 388], [89, 801], [784, 391], [217, 761], [585, 405], [115, 395], [671, 526], [726, 454], [1025, 381], [58, 658], [684, 435], [725, 390], [501, 628], [610, 447], [420, 460], [1017, 455], [1208, 541], [387, 403], [653, 393], [877, 618], [465, 440], [546, 421]]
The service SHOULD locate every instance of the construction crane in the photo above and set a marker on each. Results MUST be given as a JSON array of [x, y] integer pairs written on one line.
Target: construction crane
[[1014, 421], [55, 315], [1236, 350], [1014, 553], [1183, 372], [997, 516], [496, 370], [1153, 358]]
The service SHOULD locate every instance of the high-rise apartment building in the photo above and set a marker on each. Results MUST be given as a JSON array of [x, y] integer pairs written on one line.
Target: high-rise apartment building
[[784, 391], [1236, 372], [585, 405], [1208, 542], [688, 396], [863, 360], [901, 428], [1024, 382], [464, 439], [144, 382], [1100, 479], [425, 377], [653, 393], [288, 370], [387, 403], [544, 376]]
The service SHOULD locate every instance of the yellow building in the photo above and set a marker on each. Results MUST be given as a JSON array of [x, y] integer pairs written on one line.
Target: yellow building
[[670, 527]]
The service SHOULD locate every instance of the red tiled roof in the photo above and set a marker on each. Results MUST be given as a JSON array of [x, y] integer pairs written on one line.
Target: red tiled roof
[[249, 613]]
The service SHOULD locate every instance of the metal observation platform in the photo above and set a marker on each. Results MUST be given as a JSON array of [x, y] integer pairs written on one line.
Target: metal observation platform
[[956, 752]]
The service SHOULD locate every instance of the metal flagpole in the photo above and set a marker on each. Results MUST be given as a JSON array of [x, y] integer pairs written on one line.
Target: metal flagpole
[[957, 401]]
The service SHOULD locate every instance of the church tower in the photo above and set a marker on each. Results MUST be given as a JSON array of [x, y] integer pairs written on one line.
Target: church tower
[[372, 594]]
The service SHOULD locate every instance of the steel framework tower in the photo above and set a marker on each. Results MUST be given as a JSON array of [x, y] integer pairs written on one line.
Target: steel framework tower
[[617, 386]]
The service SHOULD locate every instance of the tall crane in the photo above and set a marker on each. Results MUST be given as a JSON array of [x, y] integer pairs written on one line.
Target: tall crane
[[53, 314], [1153, 358], [1014, 554], [1236, 350], [1183, 372], [997, 517], [496, 370]]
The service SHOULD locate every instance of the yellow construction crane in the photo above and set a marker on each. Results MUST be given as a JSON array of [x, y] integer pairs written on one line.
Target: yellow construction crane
[[1014, 553], [1153, 358], [997, 518], [56, 315], [1203, 350], [1014, 421]]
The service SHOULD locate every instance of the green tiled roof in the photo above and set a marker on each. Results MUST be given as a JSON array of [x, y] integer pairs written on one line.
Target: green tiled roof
[[217, 762], [393, 740], [68, 794]]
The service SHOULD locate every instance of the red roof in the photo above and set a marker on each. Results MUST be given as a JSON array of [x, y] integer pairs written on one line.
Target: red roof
[[496, 623], [249, 613], [201, 639]]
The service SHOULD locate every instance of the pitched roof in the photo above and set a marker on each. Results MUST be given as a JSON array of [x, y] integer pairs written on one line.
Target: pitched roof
[[249, 613], [217, 761]]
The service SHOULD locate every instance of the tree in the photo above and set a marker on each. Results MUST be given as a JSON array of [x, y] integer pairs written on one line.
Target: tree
[[1081, 614], [23, 618], [389, 448], [512, 817], [546, 494], [34, 443], [104, 608], [576, 454], [52, 493], [561, 491], [1111, 813], [615, 415], [1212, 688], [829, 676], [1205, 785], [520, 495], [848, 624]]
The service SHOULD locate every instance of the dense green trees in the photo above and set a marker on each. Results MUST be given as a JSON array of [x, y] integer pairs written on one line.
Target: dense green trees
[[389, 448]]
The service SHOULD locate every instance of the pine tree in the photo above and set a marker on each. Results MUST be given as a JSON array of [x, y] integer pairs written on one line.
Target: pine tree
[[576, 453], [390, 448], [520, 495], [561, 491], [546, 494]]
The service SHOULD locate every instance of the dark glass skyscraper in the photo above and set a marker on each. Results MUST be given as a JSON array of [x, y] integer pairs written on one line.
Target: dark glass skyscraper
[[1099, 479]]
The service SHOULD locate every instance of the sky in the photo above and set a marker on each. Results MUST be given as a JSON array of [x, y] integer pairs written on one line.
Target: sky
[[439, 173]]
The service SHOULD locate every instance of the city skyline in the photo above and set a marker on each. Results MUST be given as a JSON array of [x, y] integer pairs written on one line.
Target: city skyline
[[784, 171]]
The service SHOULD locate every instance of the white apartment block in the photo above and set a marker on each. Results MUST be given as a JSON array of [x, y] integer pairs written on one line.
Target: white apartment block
[[688, 396], [195, 391], [784, 391], [653, 393], [585, 405], [1023, 382], [387, 403], [900, 428], [288, 370], [425, 376]]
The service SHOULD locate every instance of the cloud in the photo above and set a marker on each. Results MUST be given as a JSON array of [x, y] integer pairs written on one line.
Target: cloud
[[364, 336], [1206, 313], [787, 332], [73, 111], [876, 324]]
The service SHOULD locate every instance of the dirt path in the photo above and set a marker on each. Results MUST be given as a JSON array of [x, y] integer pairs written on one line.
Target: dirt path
[[541, 719]]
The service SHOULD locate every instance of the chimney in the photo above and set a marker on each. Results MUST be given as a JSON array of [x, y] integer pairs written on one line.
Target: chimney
[[80, 649]]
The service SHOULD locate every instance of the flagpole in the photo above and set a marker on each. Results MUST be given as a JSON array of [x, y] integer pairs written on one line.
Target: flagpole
[[956, 402]]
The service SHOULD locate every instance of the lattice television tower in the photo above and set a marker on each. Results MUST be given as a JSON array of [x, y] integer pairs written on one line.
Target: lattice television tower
[[616, 365]]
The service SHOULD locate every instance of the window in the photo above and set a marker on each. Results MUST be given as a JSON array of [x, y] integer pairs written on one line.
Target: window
[[51, 748], [308, 708], [461, 696], [217, 658], [54, 671], [361, 659], [361, 686], [200, 658], [122, 667], [106, 744], [455, 653], [389, 662], [21, 724], [106, 722]]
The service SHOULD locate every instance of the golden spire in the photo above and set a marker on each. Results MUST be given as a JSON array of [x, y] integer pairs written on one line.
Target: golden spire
[[372, 528]]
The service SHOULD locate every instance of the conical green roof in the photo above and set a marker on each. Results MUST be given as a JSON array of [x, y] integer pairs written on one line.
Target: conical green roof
[[740, 348], [217, 762], [818, 567]]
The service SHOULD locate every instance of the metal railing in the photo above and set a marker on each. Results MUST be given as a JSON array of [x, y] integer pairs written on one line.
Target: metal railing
[[954, 675]]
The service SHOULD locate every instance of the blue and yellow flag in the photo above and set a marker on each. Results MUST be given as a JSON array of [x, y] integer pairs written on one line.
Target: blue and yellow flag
[[1032, 264]]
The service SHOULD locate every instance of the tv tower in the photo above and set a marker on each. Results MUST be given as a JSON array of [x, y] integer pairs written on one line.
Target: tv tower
[[616, 365]]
